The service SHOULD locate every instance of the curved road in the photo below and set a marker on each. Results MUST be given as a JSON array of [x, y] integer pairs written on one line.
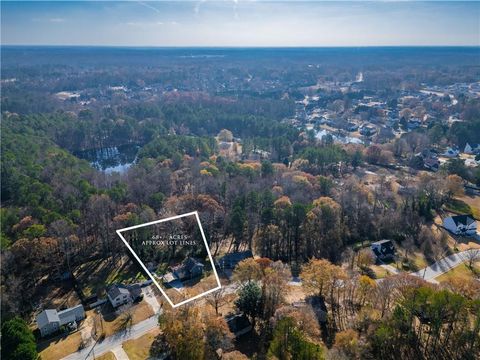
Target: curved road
[[443, 265], [116, 340], [429, 274]]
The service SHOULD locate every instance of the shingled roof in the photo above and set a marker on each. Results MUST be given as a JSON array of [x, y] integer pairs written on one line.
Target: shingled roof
[[465, 220]]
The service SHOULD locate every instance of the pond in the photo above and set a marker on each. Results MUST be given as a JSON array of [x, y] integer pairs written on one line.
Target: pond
[[110, 159]]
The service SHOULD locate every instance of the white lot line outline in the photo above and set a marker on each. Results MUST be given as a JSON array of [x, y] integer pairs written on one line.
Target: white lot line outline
[[195, 213]]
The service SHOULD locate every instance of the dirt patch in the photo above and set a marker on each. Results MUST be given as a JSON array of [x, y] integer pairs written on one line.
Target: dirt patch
[[294, 293]]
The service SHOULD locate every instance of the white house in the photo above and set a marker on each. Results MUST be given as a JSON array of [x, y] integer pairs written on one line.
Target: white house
[[451, 153], [472, 149], [460, 225], [49, 321], [119, 294]]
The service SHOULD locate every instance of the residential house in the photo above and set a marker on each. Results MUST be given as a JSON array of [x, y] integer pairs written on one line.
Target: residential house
[[451, 153], [431, 164], [258, 154], [460, 225], [367, 130], [229, 261], [383, 249], [188, 269], [413, 124], [472, 149], [119, 294], [50, 321], [352, 127], [238, 324]]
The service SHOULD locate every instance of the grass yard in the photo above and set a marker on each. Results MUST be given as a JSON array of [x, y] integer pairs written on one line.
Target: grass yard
[[139, 349], [139, 311], [474, 203], [107, 356], [458, 206], [461, 271], [379, 271], [58, 348], [418, 260], [95, 276]]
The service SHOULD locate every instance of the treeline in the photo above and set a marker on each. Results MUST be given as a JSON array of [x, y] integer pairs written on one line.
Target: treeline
[[345, 315]]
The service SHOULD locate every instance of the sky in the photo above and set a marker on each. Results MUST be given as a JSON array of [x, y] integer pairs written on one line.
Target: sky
[[240, 23]]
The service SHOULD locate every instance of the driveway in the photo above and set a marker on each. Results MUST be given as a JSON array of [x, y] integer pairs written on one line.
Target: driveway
[[112, 342], [177, 285], [442, 266], [151, 299], [119, 353]]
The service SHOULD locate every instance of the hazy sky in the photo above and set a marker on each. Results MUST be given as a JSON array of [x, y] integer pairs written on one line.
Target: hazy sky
[[240, 23]]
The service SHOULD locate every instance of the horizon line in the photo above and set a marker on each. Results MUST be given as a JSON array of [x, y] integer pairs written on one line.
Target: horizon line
[[240, 46]]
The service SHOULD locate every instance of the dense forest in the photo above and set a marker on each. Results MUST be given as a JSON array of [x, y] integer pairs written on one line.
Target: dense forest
[[305, 206]]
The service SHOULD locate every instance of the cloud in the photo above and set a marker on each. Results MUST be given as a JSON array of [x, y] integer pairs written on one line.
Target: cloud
[[150, 24], [51, 20]]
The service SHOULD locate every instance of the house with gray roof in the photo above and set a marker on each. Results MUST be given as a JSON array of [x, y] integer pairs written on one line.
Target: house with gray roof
[[119, 294], [383, 249], [461, 225], [50, 321], [229, 261], [188, 269]]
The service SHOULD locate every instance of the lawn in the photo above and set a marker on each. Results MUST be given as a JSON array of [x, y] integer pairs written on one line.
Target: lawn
[[139, 349], [60, 347], [461, 271], [107, 356], [379, 271], [140, 312], [418, 260], [458, 206], [95, 276], [474, 203]]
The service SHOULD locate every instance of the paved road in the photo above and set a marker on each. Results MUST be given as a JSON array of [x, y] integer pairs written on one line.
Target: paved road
[[137, 330], [119, 353], [442, 266], [111, 342], [116, 340]]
